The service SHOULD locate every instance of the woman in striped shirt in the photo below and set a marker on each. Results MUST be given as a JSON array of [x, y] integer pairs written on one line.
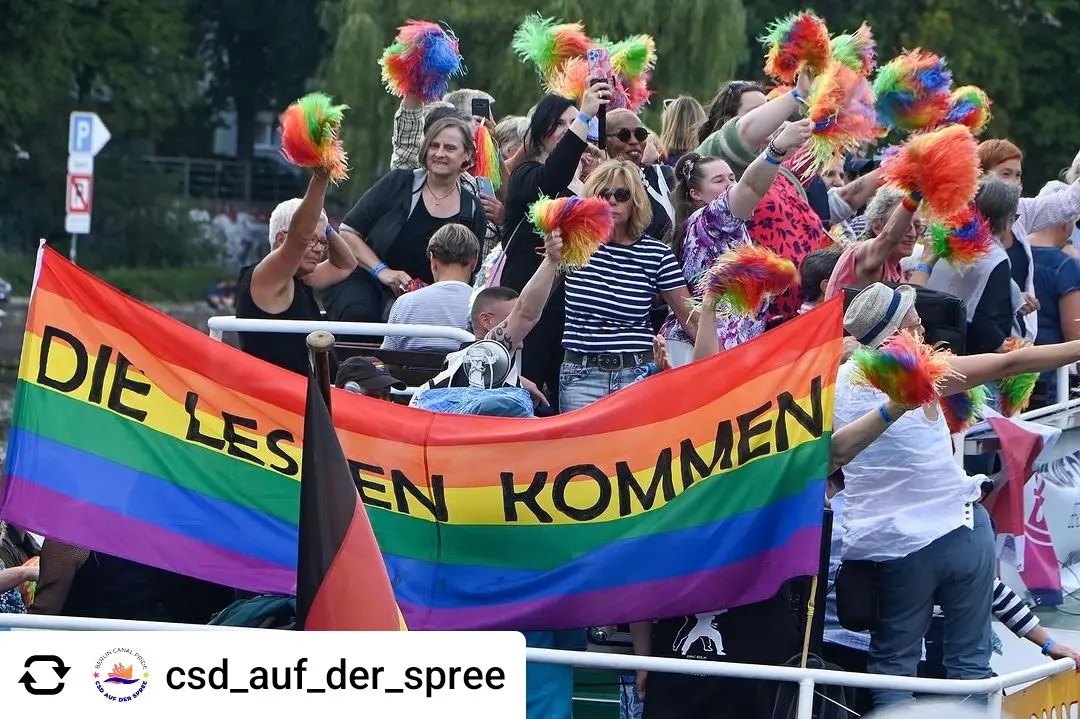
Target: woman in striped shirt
[[607, 340]]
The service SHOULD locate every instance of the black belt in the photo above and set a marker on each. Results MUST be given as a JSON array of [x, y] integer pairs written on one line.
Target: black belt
[[608, 361]]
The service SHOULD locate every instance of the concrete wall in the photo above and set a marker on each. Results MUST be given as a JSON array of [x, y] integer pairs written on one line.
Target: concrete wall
[[13, 325]]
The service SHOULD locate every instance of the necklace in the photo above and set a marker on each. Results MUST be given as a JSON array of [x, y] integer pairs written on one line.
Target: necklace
[[438, 200]]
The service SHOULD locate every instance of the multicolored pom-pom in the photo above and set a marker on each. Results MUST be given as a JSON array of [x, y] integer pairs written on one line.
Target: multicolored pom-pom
[[857, 50], [841, 104], [585, 223], [309, 135], [963, 409], [906, 370], [941, 165], [799, 41], [742, 280], [548, 44], [1015, 391], [913, 91], [969, 106], [421, 61], [963, 238], [487, 157], [633, 57]]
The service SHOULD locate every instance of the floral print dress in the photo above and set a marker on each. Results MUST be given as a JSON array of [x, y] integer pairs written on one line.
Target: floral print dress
[[710, 232]]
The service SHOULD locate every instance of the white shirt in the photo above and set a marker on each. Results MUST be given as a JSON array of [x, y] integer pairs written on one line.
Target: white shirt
[[905, 490], [443, 304]]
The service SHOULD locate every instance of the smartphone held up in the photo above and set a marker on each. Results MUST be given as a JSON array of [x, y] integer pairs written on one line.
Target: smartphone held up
[[599, 71]]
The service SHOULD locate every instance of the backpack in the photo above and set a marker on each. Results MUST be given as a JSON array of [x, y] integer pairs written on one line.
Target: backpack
[[266, 611]]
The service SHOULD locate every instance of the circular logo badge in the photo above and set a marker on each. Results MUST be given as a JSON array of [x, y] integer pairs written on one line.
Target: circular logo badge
[[120, 675]]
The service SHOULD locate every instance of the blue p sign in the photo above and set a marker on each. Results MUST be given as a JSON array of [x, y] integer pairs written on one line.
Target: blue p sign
[[81, 133]]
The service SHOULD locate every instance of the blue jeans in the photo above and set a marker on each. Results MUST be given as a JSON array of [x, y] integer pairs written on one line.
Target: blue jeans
[[630, 707], [955, 571], [580, 385]]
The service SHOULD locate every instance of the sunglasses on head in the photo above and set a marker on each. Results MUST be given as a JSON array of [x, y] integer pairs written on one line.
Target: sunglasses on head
[[624, 134], [621, 194]]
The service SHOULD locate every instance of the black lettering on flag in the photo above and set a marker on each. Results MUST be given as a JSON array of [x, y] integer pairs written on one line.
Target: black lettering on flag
[[435, 504], [273, 443], [812, 421], [363, 486], [582, 514], [97, 380], [662, 477], [122, 382], [194, 434], [747, 431], [511, 497], [694, 467], [237, 441], [72, 383]]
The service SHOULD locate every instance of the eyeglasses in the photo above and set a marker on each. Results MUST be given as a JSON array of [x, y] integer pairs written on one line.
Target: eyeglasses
[[641, 134], [621, 194]]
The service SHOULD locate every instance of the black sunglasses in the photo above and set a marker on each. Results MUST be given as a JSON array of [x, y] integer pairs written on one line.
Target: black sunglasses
[[621, 194], [624, 134]]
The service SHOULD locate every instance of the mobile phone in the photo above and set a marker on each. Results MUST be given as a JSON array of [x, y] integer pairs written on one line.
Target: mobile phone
[[485, 187], [599, 71], [481, 107]]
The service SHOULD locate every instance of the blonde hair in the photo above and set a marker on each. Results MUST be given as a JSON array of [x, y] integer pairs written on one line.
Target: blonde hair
[[679, 124], [607, 174]]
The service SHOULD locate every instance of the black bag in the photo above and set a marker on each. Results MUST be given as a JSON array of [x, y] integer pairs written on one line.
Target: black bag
[[857, 595], [944, 316]]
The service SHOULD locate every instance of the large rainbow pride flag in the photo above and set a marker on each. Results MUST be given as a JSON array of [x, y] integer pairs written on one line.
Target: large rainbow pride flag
[[699, 489]]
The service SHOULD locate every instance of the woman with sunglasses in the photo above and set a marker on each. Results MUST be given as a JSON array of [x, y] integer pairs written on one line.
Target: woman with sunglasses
[[712, 210], [627, 139], [608, 341], [554, 145]]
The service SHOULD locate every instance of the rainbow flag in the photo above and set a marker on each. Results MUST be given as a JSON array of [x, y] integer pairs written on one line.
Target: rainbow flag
[[698, 489]]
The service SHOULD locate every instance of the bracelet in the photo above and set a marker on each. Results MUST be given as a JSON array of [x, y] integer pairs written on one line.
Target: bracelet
[[379, 268], [884, 414], [773, 150], [1046, 647], [584, 118], [770, 159], [924, 268], [795, 94]]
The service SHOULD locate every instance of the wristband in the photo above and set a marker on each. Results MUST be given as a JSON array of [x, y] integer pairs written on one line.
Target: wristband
[[910, 203], [925, 268], [884, 414], [795, 95], [378, 268], [584, 118], [770, 159], [1046, 647]]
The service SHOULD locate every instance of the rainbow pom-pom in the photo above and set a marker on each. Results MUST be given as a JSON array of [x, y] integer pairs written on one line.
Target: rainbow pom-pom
[[963, 238], [548, 44], [585, 223], [963, 409], [746, 278], [421, 61], [1016, 390], [799, 41], [841, 104], [856, 50], [907, 370], [913, 91], [309, 135], [969, 106], [487, 157], [571, 80], [633, 57], [942, 165]]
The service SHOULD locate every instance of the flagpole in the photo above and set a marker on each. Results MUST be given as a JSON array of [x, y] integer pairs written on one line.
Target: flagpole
[[319, 346]]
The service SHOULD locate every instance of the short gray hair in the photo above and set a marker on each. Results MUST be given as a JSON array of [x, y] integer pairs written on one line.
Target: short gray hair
[[462, 99], [454, 244], [998, 201], [881, 205], [282, 216], [510, 132]]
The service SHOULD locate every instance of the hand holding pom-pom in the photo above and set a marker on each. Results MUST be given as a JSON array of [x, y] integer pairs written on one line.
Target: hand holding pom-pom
[[905, 369]]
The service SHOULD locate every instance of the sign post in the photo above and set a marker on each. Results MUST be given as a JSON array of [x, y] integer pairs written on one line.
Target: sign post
[[87, 134]]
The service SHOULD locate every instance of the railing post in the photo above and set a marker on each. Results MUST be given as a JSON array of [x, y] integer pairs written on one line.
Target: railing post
[[805, 709], [994, 703], [1062, 385]]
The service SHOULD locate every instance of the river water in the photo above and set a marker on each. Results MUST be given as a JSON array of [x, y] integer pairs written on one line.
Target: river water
[[7, 395]]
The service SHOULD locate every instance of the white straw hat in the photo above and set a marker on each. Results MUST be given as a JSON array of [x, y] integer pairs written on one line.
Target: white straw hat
[[877, 312]]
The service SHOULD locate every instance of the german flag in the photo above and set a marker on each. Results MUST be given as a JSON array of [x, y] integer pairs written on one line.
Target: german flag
[[341, 582]]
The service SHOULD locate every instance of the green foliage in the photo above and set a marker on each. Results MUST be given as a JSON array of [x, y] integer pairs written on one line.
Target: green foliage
[[697, 52]]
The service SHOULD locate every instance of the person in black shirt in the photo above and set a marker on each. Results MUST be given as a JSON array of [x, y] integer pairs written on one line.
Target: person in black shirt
[[281, 286]]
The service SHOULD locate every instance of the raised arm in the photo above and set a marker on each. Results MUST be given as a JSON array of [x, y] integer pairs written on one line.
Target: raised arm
[[983, 368], [757, 126], [855, 194], [856, 436], [561, 166], [706, 340], [339, 263], [533, 298], [1037, 213], [757, 179], [408, 134]]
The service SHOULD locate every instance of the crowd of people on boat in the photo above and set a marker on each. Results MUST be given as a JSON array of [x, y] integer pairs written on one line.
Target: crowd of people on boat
[[430, 244]]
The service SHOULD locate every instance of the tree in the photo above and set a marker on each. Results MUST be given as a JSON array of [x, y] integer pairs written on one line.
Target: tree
[[699, 44], [259, 56]]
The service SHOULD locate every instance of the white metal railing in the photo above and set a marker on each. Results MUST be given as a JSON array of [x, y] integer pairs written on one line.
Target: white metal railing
[[219, 325], [807, 679]]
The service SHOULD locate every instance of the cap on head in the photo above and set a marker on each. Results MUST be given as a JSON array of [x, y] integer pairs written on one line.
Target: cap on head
[[369, 373], [877, 312]]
